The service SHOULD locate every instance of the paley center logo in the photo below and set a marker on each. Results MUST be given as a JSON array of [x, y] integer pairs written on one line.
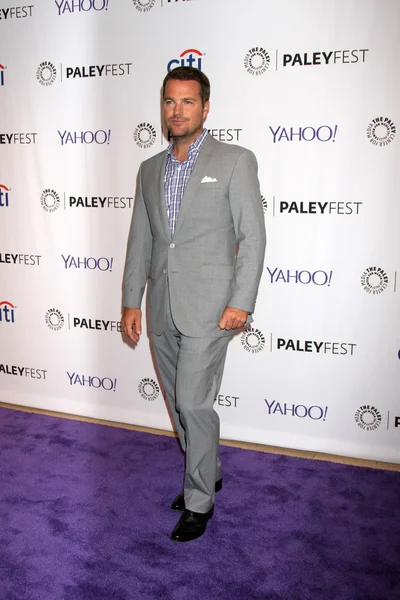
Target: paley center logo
[[77, 6], [50, 200], [4, 198], [7, 312], [148, 389], [145, 135], [257, 61], [144, 5], [2, 77], [252, 340], [16, 12], [54, 319], [374, 280], [368, 417], [188, 58], [381, 131], [46, 73]]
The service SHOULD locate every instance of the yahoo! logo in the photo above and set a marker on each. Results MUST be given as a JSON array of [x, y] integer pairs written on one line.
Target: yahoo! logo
[[85, 137], [305, 277], [91, 263], [324, 133], [188, 58], [106, 383], [7, 312], [2, 68], [316, 413], [4, 195], [71, 6]]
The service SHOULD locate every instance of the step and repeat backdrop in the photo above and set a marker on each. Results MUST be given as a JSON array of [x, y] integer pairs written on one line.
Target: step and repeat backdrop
[[312, 87]]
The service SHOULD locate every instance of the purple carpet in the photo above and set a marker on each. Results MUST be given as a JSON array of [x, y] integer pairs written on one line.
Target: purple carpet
[[84, 515]]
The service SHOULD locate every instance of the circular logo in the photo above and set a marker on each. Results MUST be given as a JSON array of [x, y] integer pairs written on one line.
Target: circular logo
[[46, 73], [374, 280], [144, 135], [50, 200], [144, 5], [368, 417], [149, 389], [54, 319], [264, 204], [252, 340], [257, 61], [381, 131]]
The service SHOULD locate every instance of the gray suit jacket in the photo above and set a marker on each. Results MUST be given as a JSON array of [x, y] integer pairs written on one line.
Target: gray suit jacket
[[216, 256]]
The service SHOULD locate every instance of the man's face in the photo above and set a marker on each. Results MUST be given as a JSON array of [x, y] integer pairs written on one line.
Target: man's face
[[184, 113]]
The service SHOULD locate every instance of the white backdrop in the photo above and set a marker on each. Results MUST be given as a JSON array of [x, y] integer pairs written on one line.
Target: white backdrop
[[311, 87]]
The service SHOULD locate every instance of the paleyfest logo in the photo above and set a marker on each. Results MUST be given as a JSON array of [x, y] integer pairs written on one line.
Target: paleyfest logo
[[381, 131]]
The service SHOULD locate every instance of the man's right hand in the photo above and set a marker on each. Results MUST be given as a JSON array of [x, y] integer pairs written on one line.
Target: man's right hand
[[131, 323]]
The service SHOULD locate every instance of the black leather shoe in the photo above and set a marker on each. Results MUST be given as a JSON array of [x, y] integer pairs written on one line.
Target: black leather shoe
[[191, 525], [179, 502]]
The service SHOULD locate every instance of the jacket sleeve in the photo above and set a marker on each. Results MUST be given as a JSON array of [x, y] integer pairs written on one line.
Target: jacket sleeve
[[138, 256], [249, 223]]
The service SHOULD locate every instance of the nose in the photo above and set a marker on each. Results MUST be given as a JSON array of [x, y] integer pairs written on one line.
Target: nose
[[177, 109]]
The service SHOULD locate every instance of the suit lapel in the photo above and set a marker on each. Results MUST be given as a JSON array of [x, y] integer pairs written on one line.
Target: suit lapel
[[200, 169], [159, 174]]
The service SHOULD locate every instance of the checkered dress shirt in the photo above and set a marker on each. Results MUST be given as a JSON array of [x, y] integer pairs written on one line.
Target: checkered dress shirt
[[177, 176]]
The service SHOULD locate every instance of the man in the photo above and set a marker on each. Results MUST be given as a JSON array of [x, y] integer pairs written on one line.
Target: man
[[198, 234]]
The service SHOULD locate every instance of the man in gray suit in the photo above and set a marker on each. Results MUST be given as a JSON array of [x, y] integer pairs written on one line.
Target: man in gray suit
[[198, 237]]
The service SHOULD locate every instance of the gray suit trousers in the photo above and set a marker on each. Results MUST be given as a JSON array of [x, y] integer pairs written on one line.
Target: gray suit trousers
[[191, 372]]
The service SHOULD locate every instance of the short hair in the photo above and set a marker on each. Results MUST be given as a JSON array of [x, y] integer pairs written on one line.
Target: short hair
[[190, 74]]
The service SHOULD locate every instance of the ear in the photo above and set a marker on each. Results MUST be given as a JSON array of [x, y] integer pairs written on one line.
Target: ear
[[206, 109]]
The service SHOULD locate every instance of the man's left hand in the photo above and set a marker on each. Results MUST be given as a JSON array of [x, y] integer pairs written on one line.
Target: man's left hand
[[232, 318]]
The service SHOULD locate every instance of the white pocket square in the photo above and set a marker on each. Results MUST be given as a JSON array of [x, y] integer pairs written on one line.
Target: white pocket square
[[208, 179]]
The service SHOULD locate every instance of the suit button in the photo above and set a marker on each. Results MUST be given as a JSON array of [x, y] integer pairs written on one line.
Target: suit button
[[172, 245], [164, 271]]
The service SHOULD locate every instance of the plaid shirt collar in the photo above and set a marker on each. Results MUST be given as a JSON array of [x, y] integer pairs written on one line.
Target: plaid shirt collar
[[194, 148]]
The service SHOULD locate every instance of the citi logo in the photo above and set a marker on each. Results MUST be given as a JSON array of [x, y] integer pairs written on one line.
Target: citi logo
[[188, 58], [7, 314], [2, 68], [3, 195]]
